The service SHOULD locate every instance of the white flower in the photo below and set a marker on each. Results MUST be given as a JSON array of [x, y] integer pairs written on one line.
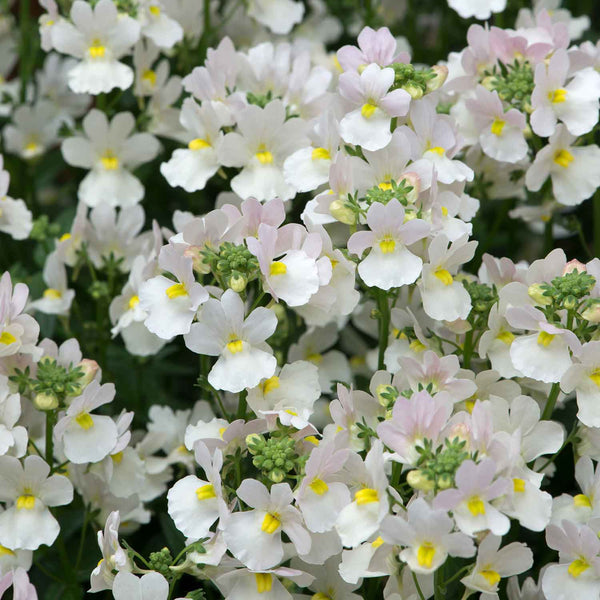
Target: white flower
[[171, 306], [157, 25], [88, 437], [389, 263], [574, 103], [444, 298], [113, 556], [584, 378], [195, 504], [571, 168], [244, 357], [193, 166], [480, 9], [109, 151], [27, 523], [13, 437], [57, 298], [426, 533], [151, 586], [98, 37], [265, 140], [254, 536], [278, 15], [15, 218]]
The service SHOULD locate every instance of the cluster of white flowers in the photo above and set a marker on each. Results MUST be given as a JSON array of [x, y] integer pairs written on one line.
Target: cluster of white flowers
[[373, 420]]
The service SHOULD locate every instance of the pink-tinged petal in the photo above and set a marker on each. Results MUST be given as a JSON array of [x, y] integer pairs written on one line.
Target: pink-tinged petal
[[396, 103]]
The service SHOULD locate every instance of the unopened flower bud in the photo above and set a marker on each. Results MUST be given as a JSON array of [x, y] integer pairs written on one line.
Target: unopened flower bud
[[570, 302], [386, 393], [414, 181], [277, 475], [489, 83], [441, 74], [444, 481], [237, 282], [45, 401], [592, 313], [255, 442], [198, 264], [574, 265], [342, 212], [536, 293], [89, 369], [418, 481], [415, 91]]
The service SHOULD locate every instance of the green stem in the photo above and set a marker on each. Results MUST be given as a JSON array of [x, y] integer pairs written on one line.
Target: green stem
[[24, 16], [551, 402], [86, 520], [468, 349], [50, 422], [384, 326], [438, 586], [419, 590]]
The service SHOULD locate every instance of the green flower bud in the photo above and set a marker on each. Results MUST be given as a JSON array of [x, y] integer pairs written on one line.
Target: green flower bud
[[536, 293], [45, 401], [342, 212]]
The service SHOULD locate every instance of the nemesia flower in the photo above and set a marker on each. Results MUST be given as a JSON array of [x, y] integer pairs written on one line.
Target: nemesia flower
[[389, 263], [493, 564], [88, 437], [171, 306], [374, 46], [195, 504], [151, 586], [26, 488], [98, 36], [571, 168], [15, 218], [368, 125], [13, 437], [480, 9], [574, 103], [254, 537], [158, 26], [470, 501], [244, 357], [279, 16], [57, 298], [427, 536], [109, 152]]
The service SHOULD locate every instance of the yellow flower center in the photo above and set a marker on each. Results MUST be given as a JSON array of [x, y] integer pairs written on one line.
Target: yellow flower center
[[312, 439], [544, 338], [444, 211], [26, 501], [52, 294], [417, 346], [377, 542], [366, 496], [491, 576], [6, 551], [438, 150], [320, 596], [198, 144], [268, 385], [84, 420], [320, 154], [506, 337], [149, 76], [176, 290], [368, 110], [154, 11], [425, 554], [31, 146], [387, 245], [314, 357], [582, 500], [235, 346], [64, 237], [563, 158], [117, 457], [557, 96], [205, 492], [264, 582], [278, 268], [595, 377], [7, 338], [385, 186], [518, 485], [271, 523], [97, 50], [498, 126], [109, 161], [263, 155], [318, 486], [476, 506], [133, 301], [444, 276], [578, 566]]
